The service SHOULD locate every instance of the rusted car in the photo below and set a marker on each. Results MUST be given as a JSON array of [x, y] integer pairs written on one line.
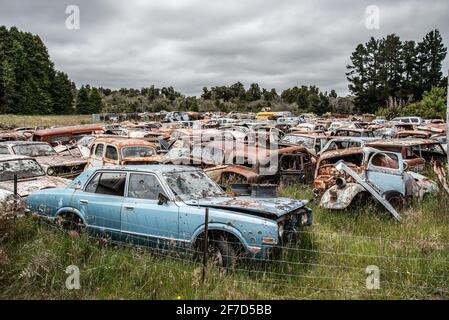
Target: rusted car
[[54, 164], [64, 135], [326, 174], [233, 162], [339, 143], [30, 176], [313, 142], [14, 135], [110, 151], [418, 134], [352, 132], [382, 174], [415, 152], [309, 128]]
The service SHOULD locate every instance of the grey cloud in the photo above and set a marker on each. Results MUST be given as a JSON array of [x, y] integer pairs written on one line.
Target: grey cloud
[[194, 43]]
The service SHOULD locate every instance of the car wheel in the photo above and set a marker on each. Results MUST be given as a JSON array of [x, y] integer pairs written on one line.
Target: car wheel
[[71, 222], [222, 254], [396, 199]]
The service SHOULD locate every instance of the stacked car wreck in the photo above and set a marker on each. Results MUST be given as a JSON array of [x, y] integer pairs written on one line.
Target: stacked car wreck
[[231, 164]]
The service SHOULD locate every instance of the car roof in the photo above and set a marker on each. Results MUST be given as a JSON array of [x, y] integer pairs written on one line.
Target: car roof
[[154, 168], [20, 143], [402, 142], [120, 142]]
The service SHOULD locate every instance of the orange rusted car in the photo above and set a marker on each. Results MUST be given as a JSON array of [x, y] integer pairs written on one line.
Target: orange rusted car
[[110, 151]]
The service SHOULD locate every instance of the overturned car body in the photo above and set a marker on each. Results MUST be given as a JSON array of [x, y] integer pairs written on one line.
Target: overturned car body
[[383, 174]]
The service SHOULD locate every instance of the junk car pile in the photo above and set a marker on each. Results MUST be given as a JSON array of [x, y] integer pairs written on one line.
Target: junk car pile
[[175, 165]]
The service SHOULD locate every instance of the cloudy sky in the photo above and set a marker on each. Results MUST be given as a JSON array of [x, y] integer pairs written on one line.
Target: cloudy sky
[[194, 43]]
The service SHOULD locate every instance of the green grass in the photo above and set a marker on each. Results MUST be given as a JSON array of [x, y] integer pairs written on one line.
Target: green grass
[[328, 263], [8, 121]]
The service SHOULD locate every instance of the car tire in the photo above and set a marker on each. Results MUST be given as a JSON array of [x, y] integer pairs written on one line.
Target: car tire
[[396, 199], [71, 222], [222, 253]]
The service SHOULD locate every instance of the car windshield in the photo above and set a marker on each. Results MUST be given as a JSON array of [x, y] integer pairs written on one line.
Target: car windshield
[[307, 142], [86, 141], [26, 168], [138, 151], [34, 150], [192, 185]]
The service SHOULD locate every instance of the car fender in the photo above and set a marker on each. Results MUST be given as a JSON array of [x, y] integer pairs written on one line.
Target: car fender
[[64, 210], [344, 196], [222, 227]]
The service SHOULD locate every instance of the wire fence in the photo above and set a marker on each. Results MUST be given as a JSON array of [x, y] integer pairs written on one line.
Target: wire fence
[[304, 268]]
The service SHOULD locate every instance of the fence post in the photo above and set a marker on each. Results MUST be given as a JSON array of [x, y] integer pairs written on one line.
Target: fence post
[[205, 246], [447, 115], [15, 184]]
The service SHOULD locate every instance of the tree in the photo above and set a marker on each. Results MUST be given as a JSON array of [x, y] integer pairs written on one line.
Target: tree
[[254, 93], [388, 68], [62, 93], [83, 102], [431, 54], [95, 102], [29, 83]]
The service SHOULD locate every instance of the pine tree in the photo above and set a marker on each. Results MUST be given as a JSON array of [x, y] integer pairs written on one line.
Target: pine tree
[[95, 101], [83, 101]]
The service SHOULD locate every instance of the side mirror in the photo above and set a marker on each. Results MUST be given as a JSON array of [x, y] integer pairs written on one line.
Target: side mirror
[[162, 199], [405, 166]]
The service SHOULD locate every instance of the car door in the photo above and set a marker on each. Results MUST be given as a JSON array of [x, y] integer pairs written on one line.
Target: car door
[[143, 219], [96, 159], [100, 202], [385, 172], [111, 157]]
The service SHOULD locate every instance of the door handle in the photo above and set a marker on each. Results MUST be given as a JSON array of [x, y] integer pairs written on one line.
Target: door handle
[[84, 201], [129, 208]]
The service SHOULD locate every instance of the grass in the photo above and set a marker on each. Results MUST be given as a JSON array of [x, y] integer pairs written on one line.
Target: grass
[[9, 121], [328, 263]]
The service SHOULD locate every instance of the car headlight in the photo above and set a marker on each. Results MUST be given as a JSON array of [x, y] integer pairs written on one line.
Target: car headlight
[[281, 230], [50, 171]]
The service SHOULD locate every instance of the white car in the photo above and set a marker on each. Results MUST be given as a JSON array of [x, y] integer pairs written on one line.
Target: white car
[[408, 120]]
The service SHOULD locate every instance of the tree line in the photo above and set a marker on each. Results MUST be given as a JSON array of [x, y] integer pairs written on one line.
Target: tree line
[[30, 84], [391, 71], [387, 76], [234, 97]]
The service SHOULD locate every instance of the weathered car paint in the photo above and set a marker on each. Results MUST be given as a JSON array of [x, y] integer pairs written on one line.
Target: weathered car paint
[[248, 219]]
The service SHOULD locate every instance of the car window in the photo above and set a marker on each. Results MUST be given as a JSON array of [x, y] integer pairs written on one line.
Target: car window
[[110, 183], [99, 150], [4, 150], [385, 160], [111, 153], [144, 186]]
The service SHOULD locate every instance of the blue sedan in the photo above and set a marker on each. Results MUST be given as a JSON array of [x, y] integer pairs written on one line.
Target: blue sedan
[[164, 205]]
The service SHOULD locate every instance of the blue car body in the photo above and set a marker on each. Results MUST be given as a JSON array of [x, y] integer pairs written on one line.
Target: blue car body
[[258, 224]]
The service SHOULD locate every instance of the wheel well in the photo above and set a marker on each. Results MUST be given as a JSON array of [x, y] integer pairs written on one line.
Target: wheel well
[[71, 215], [218, 235]]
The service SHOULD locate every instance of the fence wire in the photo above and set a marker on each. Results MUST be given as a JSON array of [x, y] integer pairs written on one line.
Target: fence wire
[[309, 272]]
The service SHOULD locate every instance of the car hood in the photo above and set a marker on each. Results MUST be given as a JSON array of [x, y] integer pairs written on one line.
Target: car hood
[[271, 208], [26, 186], [59, 161], [149, 159]]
